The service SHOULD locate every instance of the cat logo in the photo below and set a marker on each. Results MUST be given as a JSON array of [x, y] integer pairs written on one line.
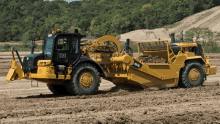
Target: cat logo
[[29, 63]]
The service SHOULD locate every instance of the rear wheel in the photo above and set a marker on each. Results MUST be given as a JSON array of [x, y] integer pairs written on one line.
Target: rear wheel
[[57, 89], [84, 81], [192, 75]]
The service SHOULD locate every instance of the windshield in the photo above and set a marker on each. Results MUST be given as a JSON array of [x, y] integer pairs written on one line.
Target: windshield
[[48, 48]]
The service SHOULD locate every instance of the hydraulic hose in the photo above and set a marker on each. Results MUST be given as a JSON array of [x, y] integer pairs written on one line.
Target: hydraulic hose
[[14, 49]]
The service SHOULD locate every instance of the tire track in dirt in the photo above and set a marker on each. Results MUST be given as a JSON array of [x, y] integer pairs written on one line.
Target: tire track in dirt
[[147, 112], [163, 102], [135, 113]]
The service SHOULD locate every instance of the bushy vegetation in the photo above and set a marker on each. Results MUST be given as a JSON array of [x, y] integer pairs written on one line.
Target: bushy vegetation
[[209, 39], [32, 19]]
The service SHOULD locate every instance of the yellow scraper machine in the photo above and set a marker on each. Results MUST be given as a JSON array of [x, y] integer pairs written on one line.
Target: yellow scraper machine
[[71, 66]]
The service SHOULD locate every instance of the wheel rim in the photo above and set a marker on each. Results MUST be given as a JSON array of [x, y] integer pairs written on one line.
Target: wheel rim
[[86, 79], [194, 75]]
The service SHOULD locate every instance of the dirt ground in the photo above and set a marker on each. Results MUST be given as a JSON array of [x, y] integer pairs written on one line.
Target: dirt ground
[[21, 103]]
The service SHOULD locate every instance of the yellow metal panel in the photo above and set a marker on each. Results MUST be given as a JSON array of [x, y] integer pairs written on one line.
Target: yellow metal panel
[[116, 74], [190, 54], [212, 70], [44, 62], [12, 52], [46, 70], [163, 71], [10, 75], [138, 77], [186, 44], [15, 72], [49, 76], [123, 59], [110, 38], [196, 58], [163, 64]]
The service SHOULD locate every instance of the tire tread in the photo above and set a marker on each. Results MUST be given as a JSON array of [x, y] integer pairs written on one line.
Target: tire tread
[[184, 74], [74, 88]]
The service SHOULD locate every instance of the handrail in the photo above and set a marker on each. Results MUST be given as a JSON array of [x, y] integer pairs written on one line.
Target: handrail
[[12, 51]]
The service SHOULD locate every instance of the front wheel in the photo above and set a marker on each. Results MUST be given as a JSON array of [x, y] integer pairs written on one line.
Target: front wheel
[[57, 89], [192, 75], [84, 81]]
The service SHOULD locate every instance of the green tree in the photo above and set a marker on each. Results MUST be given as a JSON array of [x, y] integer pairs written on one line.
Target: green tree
[[96, 17]]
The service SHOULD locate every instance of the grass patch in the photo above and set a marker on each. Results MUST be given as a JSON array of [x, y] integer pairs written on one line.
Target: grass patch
[[211, 49], [7, 47]]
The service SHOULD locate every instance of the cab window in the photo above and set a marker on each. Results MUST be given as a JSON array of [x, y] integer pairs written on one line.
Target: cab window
[[62, 43], [74, 43]]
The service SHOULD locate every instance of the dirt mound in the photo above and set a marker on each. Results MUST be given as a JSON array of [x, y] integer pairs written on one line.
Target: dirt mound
[[146, 35], [151, 59], [206, 19]]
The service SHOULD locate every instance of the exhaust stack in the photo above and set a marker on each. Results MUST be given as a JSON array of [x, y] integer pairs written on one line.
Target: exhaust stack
[[127, 45], [181, 36], [172, 35]]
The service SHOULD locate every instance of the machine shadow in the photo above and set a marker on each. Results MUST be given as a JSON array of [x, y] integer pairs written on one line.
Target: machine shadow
[[43, 96], [114, 91]]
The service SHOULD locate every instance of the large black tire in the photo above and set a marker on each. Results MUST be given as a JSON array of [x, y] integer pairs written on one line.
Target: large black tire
[[77, 85], [57, 89], [192, 75]]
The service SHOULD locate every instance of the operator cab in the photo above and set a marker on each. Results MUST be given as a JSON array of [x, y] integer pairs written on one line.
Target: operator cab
[[62, 48]]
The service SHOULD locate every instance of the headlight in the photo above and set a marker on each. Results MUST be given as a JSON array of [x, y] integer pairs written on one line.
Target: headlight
[[43, 63]]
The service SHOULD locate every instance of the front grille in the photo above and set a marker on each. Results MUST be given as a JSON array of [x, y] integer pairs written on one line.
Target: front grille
[[27, 64]]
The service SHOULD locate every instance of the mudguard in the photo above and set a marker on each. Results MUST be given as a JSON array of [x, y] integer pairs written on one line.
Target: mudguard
[[86, 59]]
